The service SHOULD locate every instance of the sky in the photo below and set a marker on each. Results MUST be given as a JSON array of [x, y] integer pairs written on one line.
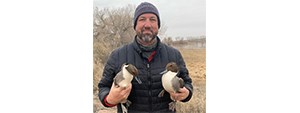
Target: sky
[[182, 18]]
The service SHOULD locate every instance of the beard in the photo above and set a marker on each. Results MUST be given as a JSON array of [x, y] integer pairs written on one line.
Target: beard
[[147, 37]]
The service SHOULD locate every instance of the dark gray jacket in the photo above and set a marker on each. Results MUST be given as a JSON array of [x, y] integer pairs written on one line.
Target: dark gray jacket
[[144, 97]]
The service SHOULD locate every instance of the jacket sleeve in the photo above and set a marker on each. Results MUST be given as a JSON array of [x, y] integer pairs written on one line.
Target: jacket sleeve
[[184, 74], [106, 81]]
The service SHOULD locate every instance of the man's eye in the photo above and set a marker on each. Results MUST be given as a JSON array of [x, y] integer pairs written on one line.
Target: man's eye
[[153, 19], [142, 19]]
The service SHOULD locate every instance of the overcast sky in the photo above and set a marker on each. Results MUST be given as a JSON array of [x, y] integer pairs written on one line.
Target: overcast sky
[[182, 17]]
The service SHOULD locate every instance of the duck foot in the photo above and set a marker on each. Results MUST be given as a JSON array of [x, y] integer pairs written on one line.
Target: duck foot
[[172, 105]]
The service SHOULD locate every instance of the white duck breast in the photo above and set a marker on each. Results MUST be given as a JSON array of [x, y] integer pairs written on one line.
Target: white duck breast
[[167, 78], [127, 77]]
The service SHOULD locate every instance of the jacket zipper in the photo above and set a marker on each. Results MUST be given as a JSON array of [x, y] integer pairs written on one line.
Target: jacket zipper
[[150, 85]]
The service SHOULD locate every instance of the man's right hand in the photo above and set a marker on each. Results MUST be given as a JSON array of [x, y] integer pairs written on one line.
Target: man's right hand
[[118, 94]]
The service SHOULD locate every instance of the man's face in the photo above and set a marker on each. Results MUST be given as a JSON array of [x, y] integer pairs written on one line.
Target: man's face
[[147, 27]]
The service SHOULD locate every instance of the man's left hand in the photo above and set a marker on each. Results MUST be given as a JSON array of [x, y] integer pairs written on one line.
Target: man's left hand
[[183, 94]]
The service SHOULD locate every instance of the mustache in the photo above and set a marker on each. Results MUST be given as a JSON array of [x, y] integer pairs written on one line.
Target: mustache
[[149, 29]]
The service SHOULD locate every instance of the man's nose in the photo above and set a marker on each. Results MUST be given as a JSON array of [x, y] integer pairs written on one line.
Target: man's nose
[[147, 24]]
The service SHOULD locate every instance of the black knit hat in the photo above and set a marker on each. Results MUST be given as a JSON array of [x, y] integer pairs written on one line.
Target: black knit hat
[[145, 7]]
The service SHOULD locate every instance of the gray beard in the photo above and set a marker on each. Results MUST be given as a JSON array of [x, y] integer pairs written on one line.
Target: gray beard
[[147, 38]]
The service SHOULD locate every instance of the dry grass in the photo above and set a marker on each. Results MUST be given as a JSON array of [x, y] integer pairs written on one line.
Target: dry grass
[[97, 106], [195, 60]]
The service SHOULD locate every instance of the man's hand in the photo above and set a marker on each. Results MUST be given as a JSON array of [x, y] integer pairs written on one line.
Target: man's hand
[[183, 94], [117, 94]]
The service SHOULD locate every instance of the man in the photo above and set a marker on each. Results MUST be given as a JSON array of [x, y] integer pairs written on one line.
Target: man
[[150, 56]]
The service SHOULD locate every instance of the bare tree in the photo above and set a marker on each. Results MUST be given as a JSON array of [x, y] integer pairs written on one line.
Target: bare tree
[[113, 28], [168, 40], [162, 30]]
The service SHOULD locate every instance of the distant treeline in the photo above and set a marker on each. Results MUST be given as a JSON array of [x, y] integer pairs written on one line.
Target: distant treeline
[[189, 42]]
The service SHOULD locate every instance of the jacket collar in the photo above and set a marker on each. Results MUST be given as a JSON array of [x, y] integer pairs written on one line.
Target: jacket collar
[[138, 49]]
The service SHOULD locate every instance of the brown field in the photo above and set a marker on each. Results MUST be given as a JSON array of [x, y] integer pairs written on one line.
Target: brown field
[[195, 60]]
